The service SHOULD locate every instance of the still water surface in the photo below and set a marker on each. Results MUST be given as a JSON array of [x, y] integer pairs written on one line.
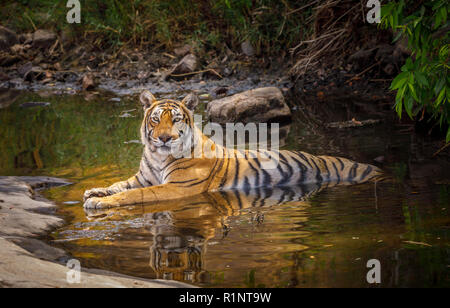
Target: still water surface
[[300, 237]]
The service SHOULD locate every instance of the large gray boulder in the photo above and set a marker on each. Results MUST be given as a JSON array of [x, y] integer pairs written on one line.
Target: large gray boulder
[[26, 261], [257, 105]]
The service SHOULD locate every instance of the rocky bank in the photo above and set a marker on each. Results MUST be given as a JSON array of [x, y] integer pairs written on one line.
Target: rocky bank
[[26, 261]]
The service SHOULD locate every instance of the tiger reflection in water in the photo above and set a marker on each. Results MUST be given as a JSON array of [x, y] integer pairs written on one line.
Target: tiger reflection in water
[[181, 228]]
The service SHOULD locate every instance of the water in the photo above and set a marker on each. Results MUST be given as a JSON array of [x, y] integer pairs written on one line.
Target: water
[[300, 237]]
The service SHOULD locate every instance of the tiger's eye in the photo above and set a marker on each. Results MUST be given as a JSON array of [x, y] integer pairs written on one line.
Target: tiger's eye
[[155, 119], [176, 120]]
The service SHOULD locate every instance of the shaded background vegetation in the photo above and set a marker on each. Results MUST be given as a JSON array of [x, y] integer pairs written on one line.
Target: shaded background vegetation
[[310, 35], [269, 24], [424, 84]]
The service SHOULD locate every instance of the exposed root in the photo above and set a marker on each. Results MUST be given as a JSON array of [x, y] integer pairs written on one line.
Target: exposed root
[[334, 26]]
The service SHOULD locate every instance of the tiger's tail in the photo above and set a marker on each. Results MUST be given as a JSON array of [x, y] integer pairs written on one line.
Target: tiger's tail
[[345, 170]]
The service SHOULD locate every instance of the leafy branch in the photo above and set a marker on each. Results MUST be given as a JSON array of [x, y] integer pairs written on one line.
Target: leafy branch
[[423, 84]]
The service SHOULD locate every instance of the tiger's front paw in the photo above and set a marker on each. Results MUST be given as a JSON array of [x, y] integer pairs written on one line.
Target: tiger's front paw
[[100, 203], [95, 192]]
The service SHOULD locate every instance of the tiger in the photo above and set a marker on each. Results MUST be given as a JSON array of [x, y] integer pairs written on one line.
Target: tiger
[[168, 133]]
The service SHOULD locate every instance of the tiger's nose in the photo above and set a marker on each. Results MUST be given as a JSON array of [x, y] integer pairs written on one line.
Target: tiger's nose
[[165, 138]]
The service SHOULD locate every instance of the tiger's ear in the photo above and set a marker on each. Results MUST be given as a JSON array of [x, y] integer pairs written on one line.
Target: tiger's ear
[[190, 101], [147, 99]]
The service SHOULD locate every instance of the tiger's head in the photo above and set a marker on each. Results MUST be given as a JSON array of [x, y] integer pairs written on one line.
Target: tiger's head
[[168, 125]]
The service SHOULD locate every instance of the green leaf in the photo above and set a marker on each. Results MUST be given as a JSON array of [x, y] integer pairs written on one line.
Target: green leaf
[[413, 91], [439, 86], [409, 106], [437, 20], [398, 101], [421, 79], [447, 139], [440, 97], [399, 81], [443, 12], [409, 64], [397, 36]]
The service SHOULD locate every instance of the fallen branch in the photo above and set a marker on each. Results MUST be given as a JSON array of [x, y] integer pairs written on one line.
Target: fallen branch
[[352, 123], [441, 149], [364, 71], [417, 243], [198, 72]]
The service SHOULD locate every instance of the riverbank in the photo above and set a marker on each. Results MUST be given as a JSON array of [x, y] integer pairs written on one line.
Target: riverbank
[[27, 261]]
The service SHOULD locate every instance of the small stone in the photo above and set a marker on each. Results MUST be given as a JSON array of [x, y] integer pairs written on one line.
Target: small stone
[[183, 50], [34, 104], [17, 48], [7, 60], [26, 38], [24, 69], [4, 77], [88, 82], [221, 90], [43, 39], [248, 49], [379, 159], [187, 65]]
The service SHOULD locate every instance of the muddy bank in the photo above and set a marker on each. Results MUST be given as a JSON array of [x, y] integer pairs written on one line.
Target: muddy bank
[[28, 261]]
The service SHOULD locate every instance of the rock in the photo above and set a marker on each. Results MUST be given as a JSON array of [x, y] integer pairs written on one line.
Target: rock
[[3, 76], [221, 91], [88, 82], [39, 249], [17, 48], [43, 39], [24, 69], [183, 50], [7, 38], [34, 104], [257, 105], [31, 73], [187, 65], [191, 101], [248, 49], [23, 269], [21, 210], [36, 73], [7, 59], [28, 262], [26, 38]]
